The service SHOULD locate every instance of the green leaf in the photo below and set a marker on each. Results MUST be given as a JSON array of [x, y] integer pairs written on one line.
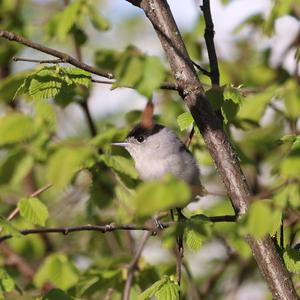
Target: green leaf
[[291, 94], [97, 20], [120, 164], [233, 93], [169, 291], [64, 163], [7, 228], [261, 219], [33, 210], [148, 293], [10, 85], [292, 260], [15, 166], [49, 82], [229, 110], [15, 127], [254, 106], [153, 75], [58, 270], [76, 76], [107, 59], [62, 23], [154, 196], [194, 239], [45, 114], [7, 283], [44, 84], [109, 135], [134, 69], [57, 294], [185, 120]]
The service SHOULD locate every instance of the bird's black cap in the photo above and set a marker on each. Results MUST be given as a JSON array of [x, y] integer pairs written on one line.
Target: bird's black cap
[[140, 130]]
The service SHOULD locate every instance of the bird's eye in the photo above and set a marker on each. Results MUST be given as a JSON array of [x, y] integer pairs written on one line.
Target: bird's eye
[[140, 139]]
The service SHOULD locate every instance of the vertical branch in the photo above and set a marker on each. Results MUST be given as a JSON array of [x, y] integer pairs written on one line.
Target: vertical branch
[[222, 152], [84, 105], [134, 265], [210, 45]]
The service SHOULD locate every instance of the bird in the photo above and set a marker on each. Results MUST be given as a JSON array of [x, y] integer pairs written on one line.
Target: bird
[[157, 151]]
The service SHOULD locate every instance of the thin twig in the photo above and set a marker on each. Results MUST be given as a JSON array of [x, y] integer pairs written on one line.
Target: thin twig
[[40, 61], [205, 72], [114, 227], [134, 265], [64, 56], [34, 194]]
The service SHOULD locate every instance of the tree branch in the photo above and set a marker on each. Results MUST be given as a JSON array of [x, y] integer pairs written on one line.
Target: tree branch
[[63, 56], [134, 265], [223, 154], [214, 73], [114, 227]]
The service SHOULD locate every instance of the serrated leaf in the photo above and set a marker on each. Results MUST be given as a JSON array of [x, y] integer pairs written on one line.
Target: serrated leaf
[[7, 283], [292, 260], [44, 83], [58, 270], [15, 127], [169, 291], [33, 210], [193, 239], [58, 82], [77, 76], [120, 164], [154, 196], [153, 289], [185, 120], [64, 163]]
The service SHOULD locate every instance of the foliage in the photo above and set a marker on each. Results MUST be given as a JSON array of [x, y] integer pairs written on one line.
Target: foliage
[[46, 137]]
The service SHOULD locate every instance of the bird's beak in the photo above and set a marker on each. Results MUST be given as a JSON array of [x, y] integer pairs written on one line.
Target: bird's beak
[[122, 144]]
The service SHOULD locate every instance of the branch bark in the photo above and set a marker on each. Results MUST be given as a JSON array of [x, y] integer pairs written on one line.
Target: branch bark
[[112, 227], [63, 56], [223, 154]]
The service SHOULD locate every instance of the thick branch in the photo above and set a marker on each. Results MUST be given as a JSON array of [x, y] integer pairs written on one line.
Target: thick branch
[[63, 56], [226, 159]]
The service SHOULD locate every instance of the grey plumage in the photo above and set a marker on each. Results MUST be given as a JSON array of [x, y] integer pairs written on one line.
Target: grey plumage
[[157, 151]]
